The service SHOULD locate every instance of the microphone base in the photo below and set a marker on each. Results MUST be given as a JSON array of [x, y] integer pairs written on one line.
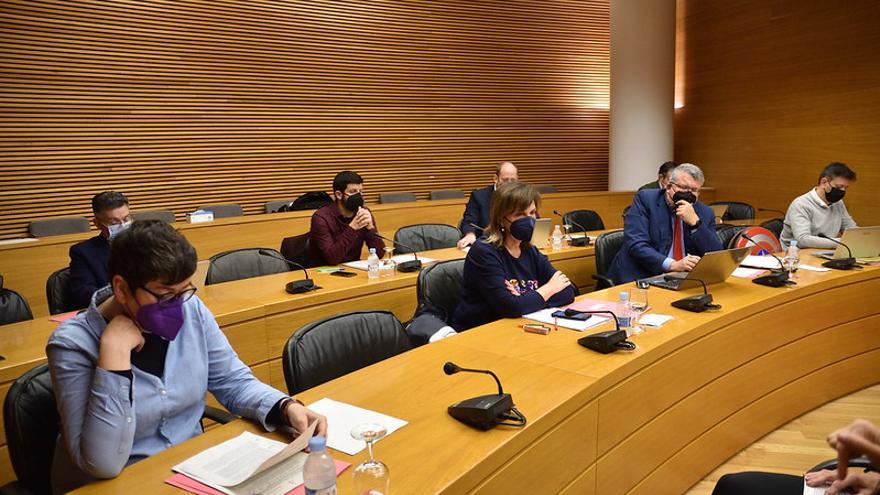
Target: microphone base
[[696, 304], [775, 279], [841, 264], [604, 342], [410, 266], [580, 241], [301, 286], [483, 412]]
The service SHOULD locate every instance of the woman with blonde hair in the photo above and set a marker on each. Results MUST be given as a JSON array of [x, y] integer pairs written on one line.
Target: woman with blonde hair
[[504, 275]]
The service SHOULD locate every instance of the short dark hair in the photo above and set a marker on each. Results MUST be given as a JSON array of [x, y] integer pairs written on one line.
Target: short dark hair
[[151, 250], [343, 179], [837, 169], [666, 168], [108, 200]]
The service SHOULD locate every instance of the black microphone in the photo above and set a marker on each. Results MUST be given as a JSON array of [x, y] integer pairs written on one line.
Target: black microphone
[[842, 263], [606, 342], [695, 304], [776, 278], [413, 265], [771, 209], [297, 286], [576, 241], [485, 411]]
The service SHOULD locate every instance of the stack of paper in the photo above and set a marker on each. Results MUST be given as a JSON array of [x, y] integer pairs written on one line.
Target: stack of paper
[[342, 417], [544, 316], [400, 258]]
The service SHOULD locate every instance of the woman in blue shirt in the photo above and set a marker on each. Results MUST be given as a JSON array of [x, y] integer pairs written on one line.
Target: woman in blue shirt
[[504, 275], [131, 373]]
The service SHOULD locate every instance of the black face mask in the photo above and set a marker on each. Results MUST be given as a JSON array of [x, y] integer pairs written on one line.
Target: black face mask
[[834, 195], [684, 195], [353, 202]]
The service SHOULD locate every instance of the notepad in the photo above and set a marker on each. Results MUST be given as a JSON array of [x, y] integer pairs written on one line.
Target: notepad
[[545, 316], [342, 417]]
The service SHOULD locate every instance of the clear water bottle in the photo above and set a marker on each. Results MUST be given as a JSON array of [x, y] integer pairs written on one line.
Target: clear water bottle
[[373, 264], [791, 259], [557, 239], [319, 471], [625, 315]]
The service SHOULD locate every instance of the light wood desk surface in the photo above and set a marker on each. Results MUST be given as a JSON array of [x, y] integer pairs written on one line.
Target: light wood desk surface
[[654, 420]]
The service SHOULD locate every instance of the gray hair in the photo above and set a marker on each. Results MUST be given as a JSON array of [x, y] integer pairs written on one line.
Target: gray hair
[[690, 169]]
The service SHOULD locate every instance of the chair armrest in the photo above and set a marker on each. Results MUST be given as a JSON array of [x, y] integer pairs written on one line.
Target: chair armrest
[[218, 415], [861, 462], [604, 282]]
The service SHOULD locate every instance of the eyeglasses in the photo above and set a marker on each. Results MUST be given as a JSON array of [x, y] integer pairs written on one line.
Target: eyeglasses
[[683, 188], [167, 298]]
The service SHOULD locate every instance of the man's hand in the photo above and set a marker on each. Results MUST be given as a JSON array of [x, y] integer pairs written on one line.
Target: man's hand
[[117, 342], [361, 220], [856, 483], [860, 438], [467, 240], [685, 264], [685, 211], [300, 417]]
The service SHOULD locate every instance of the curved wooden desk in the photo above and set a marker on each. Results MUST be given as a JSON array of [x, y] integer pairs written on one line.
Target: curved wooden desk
[[655, 420]]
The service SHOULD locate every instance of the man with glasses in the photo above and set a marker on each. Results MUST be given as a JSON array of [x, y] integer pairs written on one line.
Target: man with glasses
[[821, 210], [339, 230], [88, 259], [666, 230], [130, 374]]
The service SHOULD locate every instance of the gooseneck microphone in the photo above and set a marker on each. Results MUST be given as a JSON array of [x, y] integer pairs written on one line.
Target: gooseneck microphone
[[486, 411], [576, 241], [776, 278], [842, 263], [606, 342], [695, 304], [297, 286], [413, 265]]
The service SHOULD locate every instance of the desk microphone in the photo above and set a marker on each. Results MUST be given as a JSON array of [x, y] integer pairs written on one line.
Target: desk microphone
[[576, 241], [696, 304], [297, 286], [485, 411], [842, 263], [771, 209], [777, 277], [606, 342], [413, 265]]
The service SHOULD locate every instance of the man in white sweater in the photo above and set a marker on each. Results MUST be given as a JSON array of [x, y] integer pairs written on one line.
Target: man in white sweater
[[820, 211]]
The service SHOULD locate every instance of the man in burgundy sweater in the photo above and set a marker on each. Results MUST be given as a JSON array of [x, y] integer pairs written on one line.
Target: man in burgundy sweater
[[339, 230]]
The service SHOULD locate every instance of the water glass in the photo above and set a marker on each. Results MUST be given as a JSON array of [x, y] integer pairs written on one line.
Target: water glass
[[371, 477]]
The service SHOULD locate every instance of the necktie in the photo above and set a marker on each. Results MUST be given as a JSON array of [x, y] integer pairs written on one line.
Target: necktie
[[678, 241]]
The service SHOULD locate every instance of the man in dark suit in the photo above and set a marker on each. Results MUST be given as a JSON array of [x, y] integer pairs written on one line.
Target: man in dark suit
[[477, 210], [88, 259], [666, 230]]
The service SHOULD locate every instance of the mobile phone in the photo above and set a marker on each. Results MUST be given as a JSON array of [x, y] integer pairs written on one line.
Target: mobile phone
[[341, 273], [569, 314]]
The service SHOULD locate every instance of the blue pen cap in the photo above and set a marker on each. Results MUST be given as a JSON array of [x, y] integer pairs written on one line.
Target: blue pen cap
[[317, 443]]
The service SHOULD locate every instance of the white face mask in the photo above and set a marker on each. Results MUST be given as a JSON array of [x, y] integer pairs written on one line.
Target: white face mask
[[115, 229]]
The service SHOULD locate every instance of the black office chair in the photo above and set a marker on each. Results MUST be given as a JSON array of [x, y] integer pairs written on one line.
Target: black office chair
[[588, 219], [397, 197], [296, 249], [224, 210], [439, 285], [58, 292], [546, 189], [607, 246], [245, 263], [308, 201], [736, 210], [446, 194], [425, 236], [166, 216], [58, 226], [334, 346], [13, 306], [774, 225], [726, 233]]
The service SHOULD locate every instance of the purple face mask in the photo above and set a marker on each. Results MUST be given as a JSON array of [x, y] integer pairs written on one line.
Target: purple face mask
[[163, 320]]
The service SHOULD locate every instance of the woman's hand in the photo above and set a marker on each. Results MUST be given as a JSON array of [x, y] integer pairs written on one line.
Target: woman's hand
[[118, 340], [557, 283]]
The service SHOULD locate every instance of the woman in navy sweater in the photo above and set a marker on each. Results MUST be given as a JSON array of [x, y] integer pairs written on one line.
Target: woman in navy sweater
[[504, 275]]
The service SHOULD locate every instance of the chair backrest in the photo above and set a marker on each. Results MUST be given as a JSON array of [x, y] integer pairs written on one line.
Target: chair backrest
[[765, 239], [607, 246], [58, 291], [334, 346], [13, 306], [447, 194], [166, 216], [31, 422], [774, 225], [58, 226], [224, 210], [726, 232], [425, 236], [440, 285], [296, 249], [245, 263], [736, 210], [588, 219], [546, 189], [273, 206], [398, 197]]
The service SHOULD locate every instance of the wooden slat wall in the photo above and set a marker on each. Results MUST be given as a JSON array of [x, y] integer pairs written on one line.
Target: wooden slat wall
[[775, 90], [190, 102]]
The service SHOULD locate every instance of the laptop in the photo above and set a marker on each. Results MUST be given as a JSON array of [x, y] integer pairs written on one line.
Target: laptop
[[863, 241], [712, 268], [541, 234]]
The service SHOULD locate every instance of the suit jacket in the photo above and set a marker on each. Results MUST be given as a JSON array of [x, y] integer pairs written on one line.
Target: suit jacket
[[477, 211], [647, 229], [88, 269]]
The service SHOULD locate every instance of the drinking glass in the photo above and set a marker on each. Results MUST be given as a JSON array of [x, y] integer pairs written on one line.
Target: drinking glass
[[388, 267], [371, 477], [566, 239], [638, 299]]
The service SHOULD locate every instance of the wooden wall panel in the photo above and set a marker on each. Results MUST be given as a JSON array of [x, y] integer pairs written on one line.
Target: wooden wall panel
[[191, 102], [775, 90]]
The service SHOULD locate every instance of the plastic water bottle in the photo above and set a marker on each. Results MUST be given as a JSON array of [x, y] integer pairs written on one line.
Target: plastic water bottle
[[791, 258], [625, 315], [319, 471], [373, 264], [557, 239]]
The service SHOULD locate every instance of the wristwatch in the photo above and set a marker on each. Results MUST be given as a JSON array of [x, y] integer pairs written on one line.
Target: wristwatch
[[697, 225]]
